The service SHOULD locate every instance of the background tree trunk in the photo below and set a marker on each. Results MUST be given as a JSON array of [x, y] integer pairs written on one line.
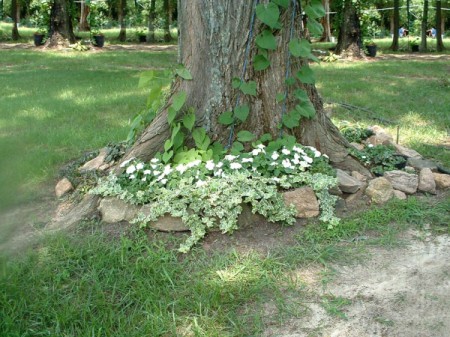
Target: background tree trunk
[[396, 27], [84, 25], [439, 31], [326, 22], [213, 39], [424, 27], [61, 30], [350, 36], [167, 14], [14, 14], [151, 22], [121, 13]]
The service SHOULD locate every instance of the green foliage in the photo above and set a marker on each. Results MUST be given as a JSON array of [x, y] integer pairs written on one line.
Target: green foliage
[[266, 40], [380, 158], [356, 134], [207, 194]]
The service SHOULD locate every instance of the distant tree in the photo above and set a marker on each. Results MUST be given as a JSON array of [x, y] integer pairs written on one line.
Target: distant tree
[[167, 14], [151, 22], [61, 29], [350, 35], [424, 27], [396, 25], [326, 22], [439, 42], [15, 16], [121, 9]]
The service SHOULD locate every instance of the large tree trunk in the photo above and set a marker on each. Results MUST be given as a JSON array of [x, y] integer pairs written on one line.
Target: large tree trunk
[[439, 31], [350, 36], [151, 22], [213, 39], [61, 30], [396, 25], [121, 12], [15, 15], [424, 27]]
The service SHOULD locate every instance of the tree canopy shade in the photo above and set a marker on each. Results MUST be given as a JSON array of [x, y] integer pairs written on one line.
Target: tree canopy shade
[[221, 41]]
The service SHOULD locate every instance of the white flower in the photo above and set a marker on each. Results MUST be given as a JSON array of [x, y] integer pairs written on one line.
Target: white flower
[[326, 156], [131, 169], [286, 151], [370, 145], [218, 173], [132, 177], [255, 152], [144, 179], [286, 163], [309, 160], [153, 166], [193, 163], [164, 181], [297, 149], [200, 183], [167, 170], [147, 172], [235, 166], [154, 160], [276, 179], [156, 173], [275, 155], [247, 160], [260, 146], [139, 166], [295, 161], [210, 165], [125, 163], [273, 163], [230, 157], [181, 168], [317, 154], [304, 164]]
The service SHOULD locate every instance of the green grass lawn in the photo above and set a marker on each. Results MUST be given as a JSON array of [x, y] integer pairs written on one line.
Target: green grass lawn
[[54, 106]]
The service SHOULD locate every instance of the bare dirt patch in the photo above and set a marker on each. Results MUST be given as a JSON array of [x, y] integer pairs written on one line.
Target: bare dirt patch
[[402, 292]]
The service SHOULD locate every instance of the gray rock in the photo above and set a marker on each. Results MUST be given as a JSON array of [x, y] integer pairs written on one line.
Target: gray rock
[[347, 183], [305, 201], [86, 209], [63, 187], [419, 164], [359, 176], [400, 195], [380, 190], [407, 152], [442, 180], [357, 146], [402, 181], [380, 136], [426, 181], [95, 163], [115, 210]]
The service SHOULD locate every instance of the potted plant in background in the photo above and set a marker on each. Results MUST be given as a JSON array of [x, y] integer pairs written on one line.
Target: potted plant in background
[[414, 44], [97, 37], [141, 34], [39, 36], [371, 48]]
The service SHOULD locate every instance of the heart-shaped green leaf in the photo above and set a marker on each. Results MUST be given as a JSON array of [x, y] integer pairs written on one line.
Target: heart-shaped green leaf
[[241, 112], [266, 40], [268, 13]]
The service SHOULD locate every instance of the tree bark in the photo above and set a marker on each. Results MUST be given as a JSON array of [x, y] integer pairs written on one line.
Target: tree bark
[[350, 35], [121, 12], [84, 24], [439, 31], [424, 27], [14, 14], [151, 22], [61, 30], [213, 39], [396, 26]]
